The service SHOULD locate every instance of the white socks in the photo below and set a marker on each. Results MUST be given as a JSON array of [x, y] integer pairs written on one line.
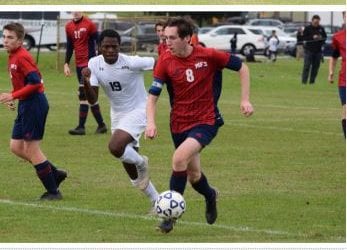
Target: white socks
[[150, 191], [131, 156]]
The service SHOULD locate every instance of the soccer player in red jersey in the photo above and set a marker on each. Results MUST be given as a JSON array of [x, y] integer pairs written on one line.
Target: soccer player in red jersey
[[159, 29], [81, 36], [33, 108], [189, 73], [339, 46]]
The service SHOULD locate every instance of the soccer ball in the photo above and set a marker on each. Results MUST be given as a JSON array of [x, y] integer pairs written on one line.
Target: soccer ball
[[170, 205]]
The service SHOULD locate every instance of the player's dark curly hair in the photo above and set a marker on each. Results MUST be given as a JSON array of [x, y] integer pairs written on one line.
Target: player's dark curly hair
[[184, 26], [109, 33]]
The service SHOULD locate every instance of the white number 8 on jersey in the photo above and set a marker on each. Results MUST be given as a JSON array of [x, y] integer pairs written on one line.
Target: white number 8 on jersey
[[190, 75]]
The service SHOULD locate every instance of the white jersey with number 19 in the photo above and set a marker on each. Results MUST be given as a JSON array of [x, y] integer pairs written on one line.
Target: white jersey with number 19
[[123, 81]]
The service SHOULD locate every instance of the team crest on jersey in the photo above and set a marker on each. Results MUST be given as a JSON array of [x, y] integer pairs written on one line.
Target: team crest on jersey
[[202, 64], [13, 66]]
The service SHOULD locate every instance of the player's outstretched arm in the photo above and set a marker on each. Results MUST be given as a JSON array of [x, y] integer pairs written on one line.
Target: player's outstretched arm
[[246, 107], [91, 92], [151, 128]]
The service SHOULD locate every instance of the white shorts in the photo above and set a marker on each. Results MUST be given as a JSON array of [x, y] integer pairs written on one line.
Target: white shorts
[[132, 122]]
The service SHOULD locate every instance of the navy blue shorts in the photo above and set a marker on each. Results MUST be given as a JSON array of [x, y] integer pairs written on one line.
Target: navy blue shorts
[[79, 74], [31, 118], [202, 133], [342, 92]]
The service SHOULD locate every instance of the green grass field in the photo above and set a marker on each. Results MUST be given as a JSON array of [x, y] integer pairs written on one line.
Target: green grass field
[[183, 2], [281, 173]]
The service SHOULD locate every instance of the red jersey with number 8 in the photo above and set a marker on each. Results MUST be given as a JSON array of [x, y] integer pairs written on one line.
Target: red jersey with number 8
[[190, 85]]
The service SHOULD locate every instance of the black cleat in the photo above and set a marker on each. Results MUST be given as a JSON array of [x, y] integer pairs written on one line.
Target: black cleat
[[166, 225], [211, 208], [77, 131], [60, 176], [50, 197], [101, 129]]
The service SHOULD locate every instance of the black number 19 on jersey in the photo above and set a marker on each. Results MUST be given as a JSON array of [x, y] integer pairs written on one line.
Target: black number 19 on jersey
[[115, 86]]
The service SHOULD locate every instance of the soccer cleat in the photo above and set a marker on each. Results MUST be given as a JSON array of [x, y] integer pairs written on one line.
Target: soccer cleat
[[50, 197], [59, 176], [101, 129], [142, 180], [77, 131], [211, 208], [166, 225]]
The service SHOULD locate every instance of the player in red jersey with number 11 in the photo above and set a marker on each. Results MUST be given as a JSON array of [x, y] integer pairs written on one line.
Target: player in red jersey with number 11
[[81, 36]]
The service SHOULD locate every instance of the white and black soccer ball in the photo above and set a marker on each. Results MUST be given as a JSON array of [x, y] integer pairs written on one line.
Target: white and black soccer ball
[[170, 205]]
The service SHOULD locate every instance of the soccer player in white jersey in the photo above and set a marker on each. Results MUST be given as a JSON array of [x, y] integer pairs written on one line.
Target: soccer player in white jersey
[[122, 79]]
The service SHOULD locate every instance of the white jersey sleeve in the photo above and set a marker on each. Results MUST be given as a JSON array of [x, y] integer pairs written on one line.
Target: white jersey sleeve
[[92, 65], [137, 63]]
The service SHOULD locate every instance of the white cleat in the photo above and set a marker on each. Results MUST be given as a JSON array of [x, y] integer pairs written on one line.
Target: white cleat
[[142, 180]]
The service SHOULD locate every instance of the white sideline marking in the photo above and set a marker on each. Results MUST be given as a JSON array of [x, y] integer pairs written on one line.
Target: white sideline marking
[[151, 218]]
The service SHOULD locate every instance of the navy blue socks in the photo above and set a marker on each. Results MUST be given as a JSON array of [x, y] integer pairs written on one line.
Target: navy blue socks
[[45, 173]]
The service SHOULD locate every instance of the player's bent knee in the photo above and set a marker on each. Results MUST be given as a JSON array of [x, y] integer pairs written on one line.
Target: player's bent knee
[[179, 162], [116, 149], [17, 151]]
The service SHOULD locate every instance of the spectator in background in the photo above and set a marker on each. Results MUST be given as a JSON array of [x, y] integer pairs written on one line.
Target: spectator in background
[[314, 38], [339, 49], [81, 36], [273, 45], [300, 43], [233, 44]]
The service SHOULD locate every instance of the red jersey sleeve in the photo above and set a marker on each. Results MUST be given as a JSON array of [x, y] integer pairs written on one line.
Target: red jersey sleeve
[[226, 60], [159, 77], [27, 65], [220, 58]]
